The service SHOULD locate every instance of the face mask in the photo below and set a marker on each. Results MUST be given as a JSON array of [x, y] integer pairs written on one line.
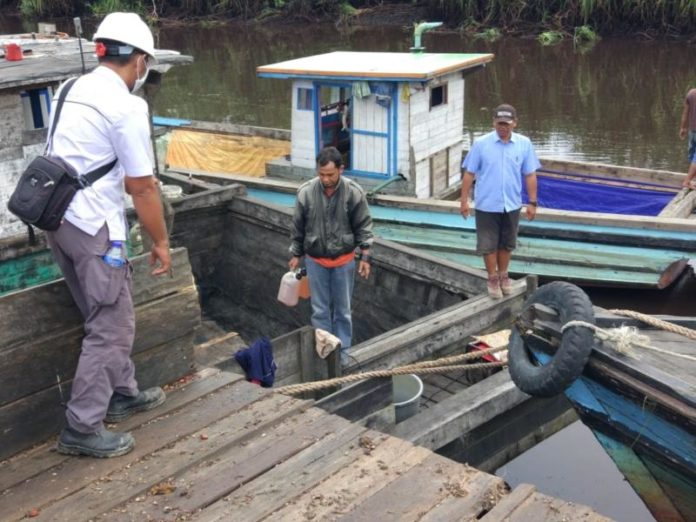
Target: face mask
[[139, 82]]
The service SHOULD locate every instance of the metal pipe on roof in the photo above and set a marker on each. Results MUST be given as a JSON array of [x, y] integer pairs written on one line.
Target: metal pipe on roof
[[418, 31]]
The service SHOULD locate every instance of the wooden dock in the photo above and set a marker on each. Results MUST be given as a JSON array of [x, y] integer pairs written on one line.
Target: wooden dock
[[223, 449]]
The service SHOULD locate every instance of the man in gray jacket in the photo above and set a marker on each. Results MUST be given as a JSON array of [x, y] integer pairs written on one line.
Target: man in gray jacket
[[330, 222]]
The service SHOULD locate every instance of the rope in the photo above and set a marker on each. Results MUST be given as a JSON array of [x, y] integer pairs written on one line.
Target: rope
[[658, 323], [441, 365], [624, 338]]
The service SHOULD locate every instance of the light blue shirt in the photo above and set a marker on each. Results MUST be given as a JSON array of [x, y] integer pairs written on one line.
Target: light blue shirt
[[499, 168]]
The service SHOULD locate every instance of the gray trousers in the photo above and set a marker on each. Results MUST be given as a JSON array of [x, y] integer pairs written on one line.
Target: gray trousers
[[103, 295]]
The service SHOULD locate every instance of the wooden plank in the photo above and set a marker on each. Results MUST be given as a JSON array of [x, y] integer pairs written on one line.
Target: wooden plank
[[30, 463], [353, 484], [505, 509], [209, 198], [681, 206], [416, 491], [54, 357], [33, 419], [460, 413], [204, 464], [422, 338], [483, 491], [358, 400], [331, 454], [41, 490], [36, 312]]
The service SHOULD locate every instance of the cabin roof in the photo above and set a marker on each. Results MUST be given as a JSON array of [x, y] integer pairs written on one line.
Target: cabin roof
[[56, 60], [342, 65]]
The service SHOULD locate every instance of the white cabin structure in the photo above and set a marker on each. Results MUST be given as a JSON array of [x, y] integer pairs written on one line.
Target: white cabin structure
[[394, 116]]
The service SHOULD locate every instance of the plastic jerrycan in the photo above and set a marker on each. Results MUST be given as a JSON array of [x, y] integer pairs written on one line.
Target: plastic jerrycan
[[289, 291]]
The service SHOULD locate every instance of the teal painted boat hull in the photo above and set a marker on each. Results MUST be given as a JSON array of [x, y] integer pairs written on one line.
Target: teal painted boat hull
[[631, 258]]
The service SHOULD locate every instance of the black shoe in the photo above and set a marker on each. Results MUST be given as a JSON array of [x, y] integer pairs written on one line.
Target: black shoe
[[102, 444], [121, 406]]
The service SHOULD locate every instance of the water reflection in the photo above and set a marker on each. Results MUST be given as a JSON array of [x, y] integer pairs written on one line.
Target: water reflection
[[618, 102]]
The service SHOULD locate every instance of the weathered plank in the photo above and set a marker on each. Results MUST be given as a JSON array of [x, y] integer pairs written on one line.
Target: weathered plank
[[30, 463], [54, 358], [409, 497], [353, 484], [482, 492], [70, 476], [36, 312], [34, 418], [681, 206], [205, 465], [457, 414], [424, 337]]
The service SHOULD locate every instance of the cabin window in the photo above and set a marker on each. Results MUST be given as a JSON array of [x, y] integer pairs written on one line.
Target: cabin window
[[36, 105], [438, 95], [304, 99]]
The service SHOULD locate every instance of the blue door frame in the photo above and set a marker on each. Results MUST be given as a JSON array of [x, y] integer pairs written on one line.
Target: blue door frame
[[390, 135]]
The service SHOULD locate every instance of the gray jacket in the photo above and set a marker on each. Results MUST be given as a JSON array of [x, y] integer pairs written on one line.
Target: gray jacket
[[330, 227]]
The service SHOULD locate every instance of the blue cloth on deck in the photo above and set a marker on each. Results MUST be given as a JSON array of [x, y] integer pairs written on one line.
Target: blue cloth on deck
[[257, 362]]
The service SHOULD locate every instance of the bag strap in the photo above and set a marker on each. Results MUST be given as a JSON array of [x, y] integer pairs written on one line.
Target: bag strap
[[59, 107], [87, 179]]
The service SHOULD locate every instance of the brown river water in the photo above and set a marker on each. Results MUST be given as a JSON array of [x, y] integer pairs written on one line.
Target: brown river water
[[617, 102]]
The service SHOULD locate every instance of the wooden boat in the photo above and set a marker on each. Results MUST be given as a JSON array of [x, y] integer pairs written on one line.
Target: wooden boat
[[640, 404], [230, 252], [629, 252]]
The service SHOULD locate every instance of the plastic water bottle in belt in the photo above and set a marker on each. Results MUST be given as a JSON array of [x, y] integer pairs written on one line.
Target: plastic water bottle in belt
[[116, 255]]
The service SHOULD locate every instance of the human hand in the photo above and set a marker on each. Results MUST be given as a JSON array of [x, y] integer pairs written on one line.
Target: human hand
[[689, 183], [160, 253], [294, 263], [364, 269], [682, 133], [464, 208], [531, 212]]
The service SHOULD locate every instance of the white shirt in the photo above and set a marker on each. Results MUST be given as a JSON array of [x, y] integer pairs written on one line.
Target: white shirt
[[101, 120]]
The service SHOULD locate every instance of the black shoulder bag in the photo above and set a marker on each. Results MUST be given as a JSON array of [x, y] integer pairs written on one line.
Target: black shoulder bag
[[48, 185]]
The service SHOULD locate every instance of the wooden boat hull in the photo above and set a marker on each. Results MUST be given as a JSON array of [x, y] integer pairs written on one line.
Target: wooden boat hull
[[657, 457], [640, 405]]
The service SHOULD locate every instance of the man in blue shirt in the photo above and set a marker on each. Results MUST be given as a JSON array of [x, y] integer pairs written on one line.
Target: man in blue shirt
[[498, 161]]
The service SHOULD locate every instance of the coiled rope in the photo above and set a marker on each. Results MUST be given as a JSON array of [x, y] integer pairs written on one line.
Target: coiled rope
[[442, 365]]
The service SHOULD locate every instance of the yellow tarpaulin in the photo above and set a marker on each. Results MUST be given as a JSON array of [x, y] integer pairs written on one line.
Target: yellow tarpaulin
[[232, 153]]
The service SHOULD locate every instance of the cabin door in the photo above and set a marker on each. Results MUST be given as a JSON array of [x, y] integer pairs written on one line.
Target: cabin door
[[371, 131], [333, 113]]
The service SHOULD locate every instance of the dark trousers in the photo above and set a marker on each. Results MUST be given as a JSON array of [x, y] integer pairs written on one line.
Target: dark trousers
[[103, 295]]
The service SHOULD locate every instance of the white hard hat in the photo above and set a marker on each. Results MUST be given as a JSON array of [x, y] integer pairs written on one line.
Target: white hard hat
[[127, 28]]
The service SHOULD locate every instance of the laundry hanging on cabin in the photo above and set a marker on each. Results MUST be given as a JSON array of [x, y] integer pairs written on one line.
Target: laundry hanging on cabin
[[257, 362], [382, 91], [361, 89]]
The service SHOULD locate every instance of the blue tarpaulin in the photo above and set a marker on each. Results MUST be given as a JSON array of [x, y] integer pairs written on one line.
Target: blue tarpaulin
[[565, 194]]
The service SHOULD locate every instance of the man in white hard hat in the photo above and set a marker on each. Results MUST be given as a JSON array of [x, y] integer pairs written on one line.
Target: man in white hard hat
[[103, 121]]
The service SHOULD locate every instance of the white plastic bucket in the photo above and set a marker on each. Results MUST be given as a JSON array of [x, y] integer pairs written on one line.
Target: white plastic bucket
[[407, 391]]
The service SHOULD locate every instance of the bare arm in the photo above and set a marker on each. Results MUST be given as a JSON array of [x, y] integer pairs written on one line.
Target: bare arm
[[467, 181], [148, 206], [531, 181], [684, 125]]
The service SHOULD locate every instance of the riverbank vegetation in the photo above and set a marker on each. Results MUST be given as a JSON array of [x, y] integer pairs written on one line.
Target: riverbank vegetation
[[492, 17]]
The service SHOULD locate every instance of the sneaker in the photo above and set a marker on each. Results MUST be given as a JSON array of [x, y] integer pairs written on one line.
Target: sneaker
[[494, 287], [505, 284], [121, 406], [101, 444]]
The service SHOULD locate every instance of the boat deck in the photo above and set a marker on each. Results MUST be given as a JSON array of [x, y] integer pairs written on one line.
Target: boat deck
[[223, 449]]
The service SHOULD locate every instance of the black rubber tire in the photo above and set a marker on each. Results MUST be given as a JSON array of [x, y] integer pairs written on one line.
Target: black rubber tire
[[572, 304]]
